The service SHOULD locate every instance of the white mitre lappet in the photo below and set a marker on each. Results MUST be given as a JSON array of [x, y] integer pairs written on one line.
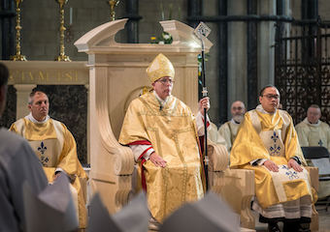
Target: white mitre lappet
[[52, 210], [134, 217], [208, 214]]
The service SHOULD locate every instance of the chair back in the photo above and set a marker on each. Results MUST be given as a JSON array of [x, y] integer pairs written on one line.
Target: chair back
[[117, 74], [318, 157], [315, 152]]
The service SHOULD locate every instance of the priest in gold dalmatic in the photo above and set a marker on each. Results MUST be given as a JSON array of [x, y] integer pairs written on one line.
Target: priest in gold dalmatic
[[268, 144], [55, 147], [163, 135]]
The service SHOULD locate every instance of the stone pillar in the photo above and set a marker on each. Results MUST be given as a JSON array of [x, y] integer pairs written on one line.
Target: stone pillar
[[132, 9], [223, 63], [266, 44], [88, 123], [252, 57], [194, 9], [286, 10], [237, 54], [7, 22], [22, 93]]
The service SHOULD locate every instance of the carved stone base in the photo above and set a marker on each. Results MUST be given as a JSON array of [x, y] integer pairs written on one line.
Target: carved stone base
[[236, 187]]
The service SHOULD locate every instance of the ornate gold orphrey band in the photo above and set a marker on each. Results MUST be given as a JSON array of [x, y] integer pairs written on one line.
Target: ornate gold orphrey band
[[62, 56], [18, 56]]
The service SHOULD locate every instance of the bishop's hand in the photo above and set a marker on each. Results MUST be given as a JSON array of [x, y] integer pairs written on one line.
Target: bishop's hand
[[157, 160], [204, 103], [293, 164], [271, 166]]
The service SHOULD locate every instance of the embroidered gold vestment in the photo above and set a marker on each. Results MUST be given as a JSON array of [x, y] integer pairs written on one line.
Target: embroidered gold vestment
[[172, 132], [271, 136], [55, 147]]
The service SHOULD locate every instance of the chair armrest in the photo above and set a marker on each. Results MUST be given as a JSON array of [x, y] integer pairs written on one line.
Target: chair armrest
[[314, 175], [236, 187], [218, 156]]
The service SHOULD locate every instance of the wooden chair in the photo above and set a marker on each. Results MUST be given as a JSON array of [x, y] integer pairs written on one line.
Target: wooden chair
[[117, 75]]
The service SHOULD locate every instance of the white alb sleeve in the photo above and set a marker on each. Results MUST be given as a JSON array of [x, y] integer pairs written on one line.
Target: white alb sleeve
[[138, 150], [200, 123]]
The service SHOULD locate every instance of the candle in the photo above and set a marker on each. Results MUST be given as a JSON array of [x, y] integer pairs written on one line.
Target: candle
[[70, 15]]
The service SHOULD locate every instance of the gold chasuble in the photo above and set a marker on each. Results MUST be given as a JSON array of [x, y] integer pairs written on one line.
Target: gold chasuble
[[172, 133], [55, 147], [271, 136]]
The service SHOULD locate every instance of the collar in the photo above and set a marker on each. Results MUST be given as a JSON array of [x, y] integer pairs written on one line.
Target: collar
[[310, 124], [161, 101], [32, 119], [234, 122], [261, 109]]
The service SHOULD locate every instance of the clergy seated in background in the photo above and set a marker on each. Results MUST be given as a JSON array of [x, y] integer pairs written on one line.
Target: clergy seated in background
[[268, 144], [18, 164], [313, 132], [229, 130], [162, 133], [54, 145], [213, 134]]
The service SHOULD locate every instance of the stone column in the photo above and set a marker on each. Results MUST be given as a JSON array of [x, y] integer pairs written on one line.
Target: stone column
[[266, 44], [252, 57], [88, 125], [222, 63], [22, 93], [132, 9], [287, 26], [237, 54]]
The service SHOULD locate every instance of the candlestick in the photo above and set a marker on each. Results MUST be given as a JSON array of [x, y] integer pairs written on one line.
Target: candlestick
[[113, 4], [62, 56], [18, 56]]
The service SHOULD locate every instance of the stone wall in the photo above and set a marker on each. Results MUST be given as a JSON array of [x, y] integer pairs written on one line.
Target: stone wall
[[324, 9], [9, 114], [40, 33], [40, 22]]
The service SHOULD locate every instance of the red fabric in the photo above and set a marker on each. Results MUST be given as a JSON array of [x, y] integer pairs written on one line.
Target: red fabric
[[201, 143], [140, 142], [207, 123], [140, 157], [143, 177]]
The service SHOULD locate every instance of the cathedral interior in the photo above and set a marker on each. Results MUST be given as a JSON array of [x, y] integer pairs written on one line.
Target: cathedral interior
[[253, 43]]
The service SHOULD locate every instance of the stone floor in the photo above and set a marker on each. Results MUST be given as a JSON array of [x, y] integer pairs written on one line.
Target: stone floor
[[324, 221]]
